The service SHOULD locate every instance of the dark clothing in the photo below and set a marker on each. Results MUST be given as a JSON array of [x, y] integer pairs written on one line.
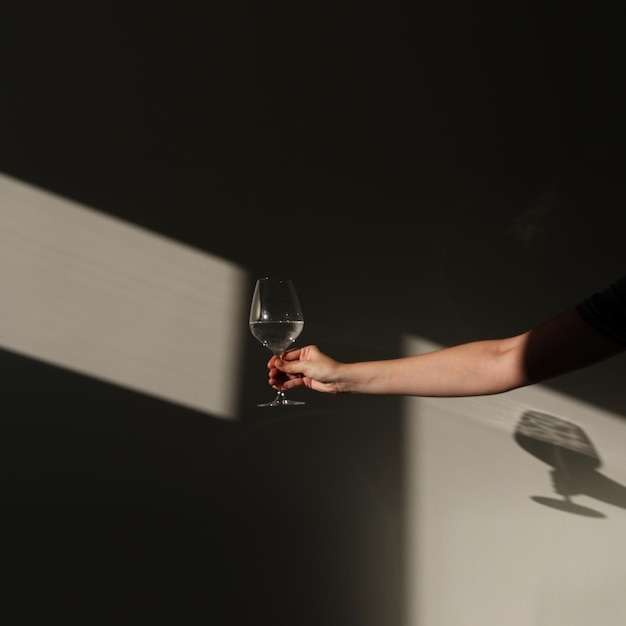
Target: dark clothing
[[606, 311]]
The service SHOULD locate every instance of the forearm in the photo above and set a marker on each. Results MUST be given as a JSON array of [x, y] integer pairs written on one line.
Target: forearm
[[477, 368], [559, 345]]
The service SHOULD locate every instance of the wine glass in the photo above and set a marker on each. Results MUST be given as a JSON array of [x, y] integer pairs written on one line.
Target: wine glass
[[276, 320]]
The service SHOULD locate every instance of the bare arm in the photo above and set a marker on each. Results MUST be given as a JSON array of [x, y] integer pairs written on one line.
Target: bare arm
[[559, 345]]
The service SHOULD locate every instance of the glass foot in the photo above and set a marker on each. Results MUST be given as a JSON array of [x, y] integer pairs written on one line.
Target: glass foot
[[281, 400]]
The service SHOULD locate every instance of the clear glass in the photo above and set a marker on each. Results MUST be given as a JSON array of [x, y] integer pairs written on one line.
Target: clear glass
[[276, 321]]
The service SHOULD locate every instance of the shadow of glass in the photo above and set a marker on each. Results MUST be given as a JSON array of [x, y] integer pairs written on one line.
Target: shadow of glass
[[575, 462], [567, 505]]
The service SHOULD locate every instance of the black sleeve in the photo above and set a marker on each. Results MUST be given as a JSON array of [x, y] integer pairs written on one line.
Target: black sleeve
[[606, 311]]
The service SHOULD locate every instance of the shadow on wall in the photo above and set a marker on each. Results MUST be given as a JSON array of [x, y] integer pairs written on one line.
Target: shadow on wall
[[575, 462], [121, 508]]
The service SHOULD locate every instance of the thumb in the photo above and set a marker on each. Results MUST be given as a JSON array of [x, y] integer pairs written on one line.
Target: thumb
[[284, 366]]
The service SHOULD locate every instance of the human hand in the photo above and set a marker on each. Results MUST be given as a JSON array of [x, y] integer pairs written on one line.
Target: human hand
[[308, 367]]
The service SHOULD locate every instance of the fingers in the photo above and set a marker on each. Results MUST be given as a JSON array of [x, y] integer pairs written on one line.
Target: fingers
[[289, 370], [280, 380], [279, 363], [291, 355], [276, 378], [293, 382]]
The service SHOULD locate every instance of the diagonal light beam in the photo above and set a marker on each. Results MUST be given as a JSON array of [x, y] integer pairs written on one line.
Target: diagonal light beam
[[105, 298]]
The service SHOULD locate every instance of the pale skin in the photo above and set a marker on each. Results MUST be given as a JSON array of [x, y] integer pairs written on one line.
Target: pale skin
[[559, 345]]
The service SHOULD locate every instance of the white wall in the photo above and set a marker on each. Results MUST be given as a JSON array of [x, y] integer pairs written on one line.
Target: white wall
[[482, 551]]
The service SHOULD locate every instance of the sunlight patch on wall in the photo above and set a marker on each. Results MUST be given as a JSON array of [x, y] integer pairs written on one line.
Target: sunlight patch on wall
[[108, 299], [497, 532]]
